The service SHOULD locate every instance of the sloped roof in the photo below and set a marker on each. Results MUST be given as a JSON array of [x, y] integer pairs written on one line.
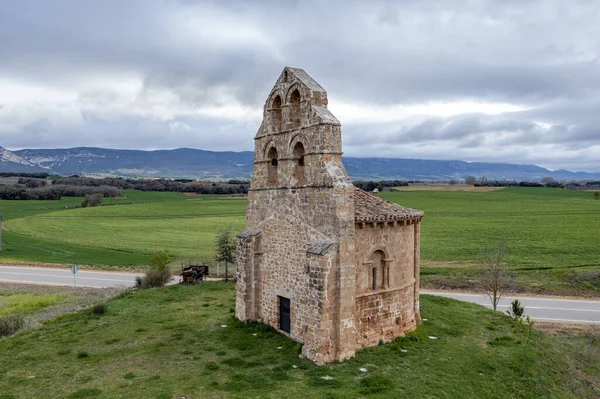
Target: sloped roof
[[326, 115], [319, 248], [248, 233], [306, 79], [370, 208]]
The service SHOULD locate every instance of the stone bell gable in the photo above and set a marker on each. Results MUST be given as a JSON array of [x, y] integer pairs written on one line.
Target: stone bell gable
[[300, 269]]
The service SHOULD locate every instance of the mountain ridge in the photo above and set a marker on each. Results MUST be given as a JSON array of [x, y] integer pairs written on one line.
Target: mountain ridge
[[189, 162]]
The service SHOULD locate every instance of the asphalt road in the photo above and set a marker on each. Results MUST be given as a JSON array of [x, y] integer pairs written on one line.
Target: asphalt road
[[47, 276], [541, 309]]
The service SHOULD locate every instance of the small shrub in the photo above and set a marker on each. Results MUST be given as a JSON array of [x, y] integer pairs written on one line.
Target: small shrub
[[212, 366], [92, 200], [82, 355], [129, 376], [99, 309], [9, 325], [516, 310], [159, 273], [376, 384]]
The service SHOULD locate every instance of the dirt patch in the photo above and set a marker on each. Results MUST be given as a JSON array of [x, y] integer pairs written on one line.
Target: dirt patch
[[569, 328], [78, 298]]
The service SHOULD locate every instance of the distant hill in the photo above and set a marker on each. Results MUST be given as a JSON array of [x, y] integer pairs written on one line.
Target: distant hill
[[187, 162], [10, 162]]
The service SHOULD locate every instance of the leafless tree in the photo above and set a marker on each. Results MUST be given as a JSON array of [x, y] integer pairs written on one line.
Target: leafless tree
[[497, 278]]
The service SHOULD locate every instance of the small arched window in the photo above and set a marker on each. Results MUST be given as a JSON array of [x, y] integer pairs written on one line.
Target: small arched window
[[275, 112], [299, 173], [378, 270], [273, 174], [295, 109]]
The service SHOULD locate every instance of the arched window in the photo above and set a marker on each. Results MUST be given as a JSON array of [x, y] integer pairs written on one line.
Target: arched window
[[378, 270], [294, 109], [273, 175], [299, 173], [275, 112]]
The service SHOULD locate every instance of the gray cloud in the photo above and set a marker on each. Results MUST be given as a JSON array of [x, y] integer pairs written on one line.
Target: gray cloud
[[174, 73]]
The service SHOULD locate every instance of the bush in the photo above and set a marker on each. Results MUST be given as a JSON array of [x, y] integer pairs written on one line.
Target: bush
[[516, 310], [92, 200], [159, 273], [9, 325], [99, 309]]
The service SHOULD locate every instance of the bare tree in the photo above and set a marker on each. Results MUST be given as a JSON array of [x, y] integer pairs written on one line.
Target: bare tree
[[470, 180], [497, 278]]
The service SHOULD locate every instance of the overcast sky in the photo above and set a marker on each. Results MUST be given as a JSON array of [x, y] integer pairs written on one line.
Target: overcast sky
[[506, 80]]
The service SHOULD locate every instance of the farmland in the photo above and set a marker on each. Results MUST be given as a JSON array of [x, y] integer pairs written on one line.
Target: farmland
[[184, 341], [552, 234]]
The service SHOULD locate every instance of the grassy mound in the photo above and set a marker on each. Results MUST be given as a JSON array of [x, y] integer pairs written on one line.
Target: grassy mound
[[183, 341]]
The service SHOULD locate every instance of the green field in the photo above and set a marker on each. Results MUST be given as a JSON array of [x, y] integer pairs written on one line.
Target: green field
[[172, 343], [114, 236], [552, 234]]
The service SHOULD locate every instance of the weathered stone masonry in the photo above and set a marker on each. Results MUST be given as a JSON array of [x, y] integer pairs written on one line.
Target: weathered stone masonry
[[332, 266]]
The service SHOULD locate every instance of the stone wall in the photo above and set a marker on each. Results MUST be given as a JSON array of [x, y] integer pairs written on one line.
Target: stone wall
[[389, 310]]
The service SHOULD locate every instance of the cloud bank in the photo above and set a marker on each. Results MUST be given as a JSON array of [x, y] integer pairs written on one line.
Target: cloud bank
[[511, 81]]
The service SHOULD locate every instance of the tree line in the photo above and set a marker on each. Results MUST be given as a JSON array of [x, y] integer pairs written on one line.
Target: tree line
[[371, 185], [178, 185], [20, 192]]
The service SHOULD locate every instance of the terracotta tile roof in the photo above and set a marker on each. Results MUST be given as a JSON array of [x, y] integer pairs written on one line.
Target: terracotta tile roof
[[370, 208]]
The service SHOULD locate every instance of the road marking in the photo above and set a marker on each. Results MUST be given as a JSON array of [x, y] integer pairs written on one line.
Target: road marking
[[67, 276], [450, 295], [487, 305], [566, 320]]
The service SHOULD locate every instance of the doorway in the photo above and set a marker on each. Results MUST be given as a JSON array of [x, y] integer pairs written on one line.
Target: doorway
[[284, 314]]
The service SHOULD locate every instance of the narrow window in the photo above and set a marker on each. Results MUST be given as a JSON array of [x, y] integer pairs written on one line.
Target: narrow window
[[295, 109], [298, 155], [378, 271], [374, 271], [273, 174], [275, 112]]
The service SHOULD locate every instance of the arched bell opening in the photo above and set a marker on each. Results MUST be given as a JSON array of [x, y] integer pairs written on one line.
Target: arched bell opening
[[273, 174], [299, 172]]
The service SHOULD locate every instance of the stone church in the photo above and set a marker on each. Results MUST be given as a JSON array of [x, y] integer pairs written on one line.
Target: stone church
[[330, 265]]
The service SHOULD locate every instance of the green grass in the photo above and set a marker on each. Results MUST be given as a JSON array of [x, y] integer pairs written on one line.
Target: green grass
[[28, 303], [185, 228], [164, 344], [552, 236], [25, 248]]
